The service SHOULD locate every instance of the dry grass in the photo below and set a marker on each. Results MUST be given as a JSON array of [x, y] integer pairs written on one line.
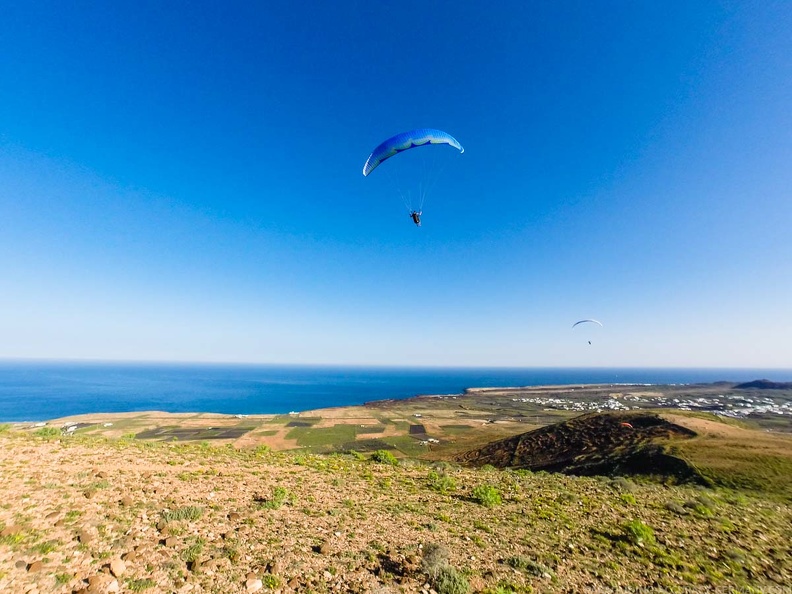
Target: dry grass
[[346, 524]]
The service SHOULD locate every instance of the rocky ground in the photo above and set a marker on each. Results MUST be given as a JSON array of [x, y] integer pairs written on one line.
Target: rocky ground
[[84, 514]]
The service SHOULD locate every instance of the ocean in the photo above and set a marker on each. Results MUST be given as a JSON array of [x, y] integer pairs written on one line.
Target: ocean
[[39, 391]]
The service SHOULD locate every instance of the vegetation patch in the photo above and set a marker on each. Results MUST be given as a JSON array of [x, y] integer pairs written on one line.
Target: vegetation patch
[[486, 495], [189, 513]]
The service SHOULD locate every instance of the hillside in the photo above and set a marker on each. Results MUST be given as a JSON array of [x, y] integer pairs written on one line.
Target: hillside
[[764, 384], [673, 446], [84, 514], [591, 444]]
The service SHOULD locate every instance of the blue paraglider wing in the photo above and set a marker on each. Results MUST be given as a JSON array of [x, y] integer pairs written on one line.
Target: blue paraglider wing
[[405, 141]]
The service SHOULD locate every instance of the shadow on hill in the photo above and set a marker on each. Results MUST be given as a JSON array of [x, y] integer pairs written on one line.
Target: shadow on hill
[[594, 444]]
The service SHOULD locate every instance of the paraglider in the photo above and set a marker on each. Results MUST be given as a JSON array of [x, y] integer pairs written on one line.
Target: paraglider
[[627, 425], [587, 321], [424, 176], [584, 321]]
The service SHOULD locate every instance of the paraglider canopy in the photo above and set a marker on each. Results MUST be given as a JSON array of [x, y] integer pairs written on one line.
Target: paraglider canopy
[[585, 321], [405, 141]]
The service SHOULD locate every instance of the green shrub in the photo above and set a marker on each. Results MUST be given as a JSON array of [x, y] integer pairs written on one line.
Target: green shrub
[[622, 484], [528, 565], [4, 427], [486, 495], [270, 581], [138, 585], [676, 508], [189, 512], [435, 556], [628, 498], [699, 508], [261, 450], [450, 581], [47, 432], [441, 482], [278, 498], [192, 552], [384, 457], [638, 533]]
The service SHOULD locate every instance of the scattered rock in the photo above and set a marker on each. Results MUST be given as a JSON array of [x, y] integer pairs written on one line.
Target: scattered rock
[[10, 530], [326, 548], [234, 516], [51, 515], [35, 566], [171, 541], [117, 567], [130, 556], [85, 537], [254, 585], [90, 493], [127, 501], [276, 567], [99, 583]]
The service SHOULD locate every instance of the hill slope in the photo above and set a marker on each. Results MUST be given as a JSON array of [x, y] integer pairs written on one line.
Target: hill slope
[[592, 444]]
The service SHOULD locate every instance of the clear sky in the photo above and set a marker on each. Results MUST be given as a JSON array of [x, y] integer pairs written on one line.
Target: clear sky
[[182, 181]]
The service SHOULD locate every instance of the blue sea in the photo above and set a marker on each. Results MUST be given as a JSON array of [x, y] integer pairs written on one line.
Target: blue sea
[[38, 391]]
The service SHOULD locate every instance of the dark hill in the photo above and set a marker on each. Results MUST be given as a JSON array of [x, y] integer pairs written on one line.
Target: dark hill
[[592, 444], [764, 384]]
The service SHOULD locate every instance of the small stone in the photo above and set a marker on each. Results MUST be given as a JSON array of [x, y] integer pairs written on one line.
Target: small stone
[[59, 523], [113, 586], [254, 585], [276, 567], [171, 541], [252, 575], [130, 556], [117, 567], [294, 583], [98, 583], [51, 515], [85, 537], [12, 529], [325, 548], [90, 493], [35, 566], [127, 501], [20, 564], [165, 531], [234, 516], [161, 525]]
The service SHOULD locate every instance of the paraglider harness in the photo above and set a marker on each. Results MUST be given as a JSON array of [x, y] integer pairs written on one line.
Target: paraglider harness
[[416, 217]]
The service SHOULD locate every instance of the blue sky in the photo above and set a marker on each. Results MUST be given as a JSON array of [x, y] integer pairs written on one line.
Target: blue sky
[[182, 182]]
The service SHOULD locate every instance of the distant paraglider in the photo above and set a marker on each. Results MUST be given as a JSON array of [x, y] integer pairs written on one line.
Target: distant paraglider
[[412, 186], [584, 321], [587, 321]]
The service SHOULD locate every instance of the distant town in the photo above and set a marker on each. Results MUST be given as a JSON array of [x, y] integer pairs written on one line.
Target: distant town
[[727, 405]]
